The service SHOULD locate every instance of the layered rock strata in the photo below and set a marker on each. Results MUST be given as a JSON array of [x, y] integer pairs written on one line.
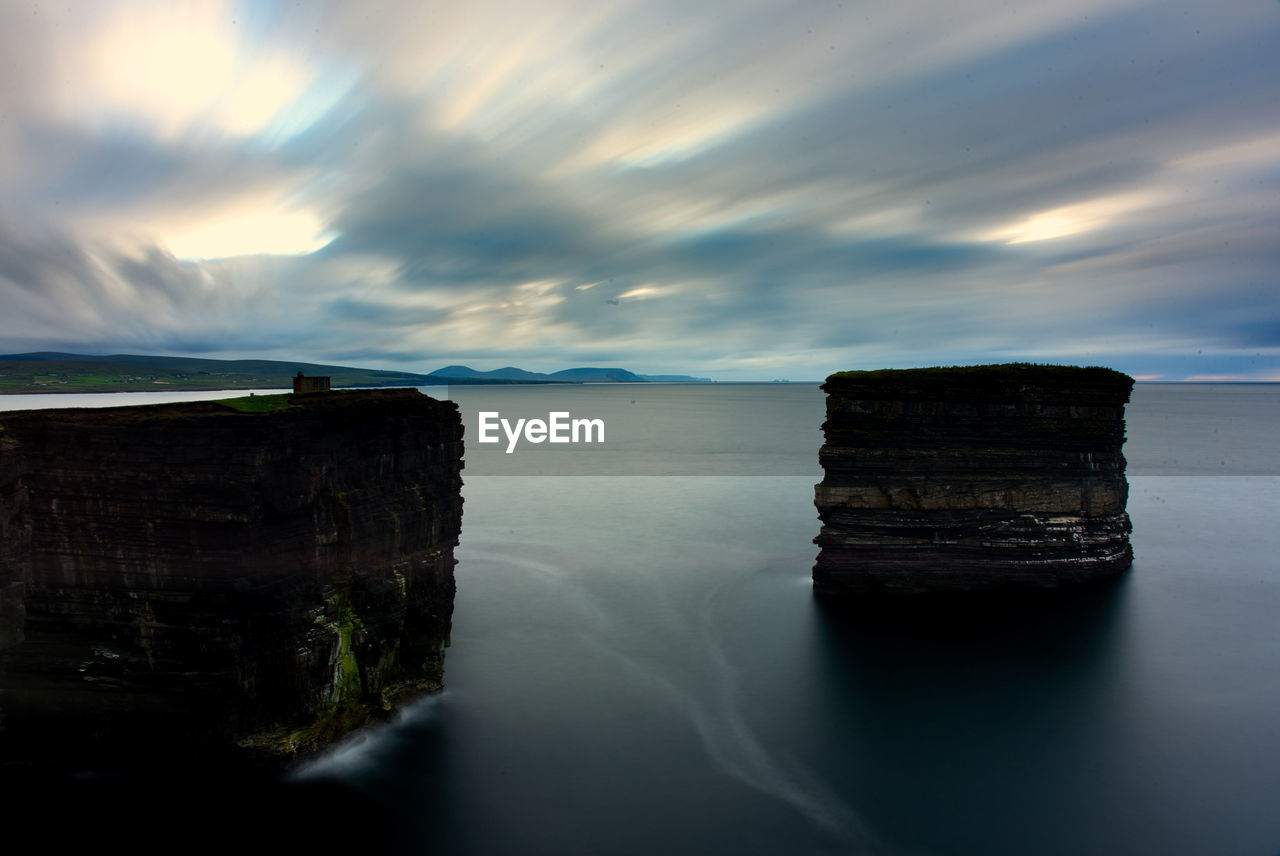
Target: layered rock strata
[[210, 580], [978, 477]]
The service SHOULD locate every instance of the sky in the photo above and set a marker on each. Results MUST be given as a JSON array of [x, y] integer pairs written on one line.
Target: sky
[[739, 190]]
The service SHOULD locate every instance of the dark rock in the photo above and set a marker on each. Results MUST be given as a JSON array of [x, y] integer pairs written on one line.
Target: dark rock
[[980, 477], [224, 584]]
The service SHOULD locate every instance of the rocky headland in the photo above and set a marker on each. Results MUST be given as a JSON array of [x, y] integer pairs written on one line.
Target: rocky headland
[[1001, 477], [238, 581]]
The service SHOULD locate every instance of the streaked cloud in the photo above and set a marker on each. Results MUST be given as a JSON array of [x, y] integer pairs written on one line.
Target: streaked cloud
[[1069, 220], [741, 189]]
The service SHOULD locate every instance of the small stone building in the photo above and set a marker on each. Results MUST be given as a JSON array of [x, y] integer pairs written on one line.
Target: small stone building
[[317, 383]]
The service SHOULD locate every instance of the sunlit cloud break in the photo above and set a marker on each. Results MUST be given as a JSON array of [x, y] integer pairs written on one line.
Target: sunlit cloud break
[[252, 233]]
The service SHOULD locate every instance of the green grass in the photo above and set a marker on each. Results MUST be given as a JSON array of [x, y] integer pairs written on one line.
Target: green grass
[[1028, 372], [258, 403]]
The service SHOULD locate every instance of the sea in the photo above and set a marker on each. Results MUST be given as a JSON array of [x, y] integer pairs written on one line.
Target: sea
[[638, 664]]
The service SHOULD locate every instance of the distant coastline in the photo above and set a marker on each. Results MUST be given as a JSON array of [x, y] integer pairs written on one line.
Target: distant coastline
[[54, 372]]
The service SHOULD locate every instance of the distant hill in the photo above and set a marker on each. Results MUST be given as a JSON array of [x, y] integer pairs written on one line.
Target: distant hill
[[673, 378], [50, 371], [58, 372], [507, 373], [597, 376], [582, 375]]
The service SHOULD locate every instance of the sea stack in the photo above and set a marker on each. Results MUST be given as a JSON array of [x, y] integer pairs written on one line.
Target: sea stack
[[992, 477], [240, 582]]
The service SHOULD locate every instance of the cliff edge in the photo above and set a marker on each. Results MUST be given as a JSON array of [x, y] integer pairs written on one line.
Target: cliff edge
[[251, 578], [977, 477]]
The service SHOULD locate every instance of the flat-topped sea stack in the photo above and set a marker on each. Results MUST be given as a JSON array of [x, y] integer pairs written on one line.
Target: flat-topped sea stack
[[994, 477], [246, 580]]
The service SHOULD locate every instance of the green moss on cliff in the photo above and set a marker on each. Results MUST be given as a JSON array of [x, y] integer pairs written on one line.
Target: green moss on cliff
[[324, 730], [345, 708], [341, 618]]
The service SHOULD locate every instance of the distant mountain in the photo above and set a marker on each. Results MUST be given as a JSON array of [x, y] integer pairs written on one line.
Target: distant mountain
[[506, 373], [673, 378], [580, 375], [597, 376]]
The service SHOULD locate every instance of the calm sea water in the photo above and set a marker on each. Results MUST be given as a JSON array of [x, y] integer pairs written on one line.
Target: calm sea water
[[638, 665]]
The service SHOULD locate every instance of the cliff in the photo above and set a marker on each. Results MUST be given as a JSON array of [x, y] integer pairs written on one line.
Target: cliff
[[253, 578], [980, 477]]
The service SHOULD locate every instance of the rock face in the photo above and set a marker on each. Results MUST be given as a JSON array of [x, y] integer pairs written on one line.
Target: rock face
[[243, 583], [981, 477]]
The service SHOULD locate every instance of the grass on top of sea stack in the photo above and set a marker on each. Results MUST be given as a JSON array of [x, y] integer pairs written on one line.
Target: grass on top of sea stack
[[258, 403]]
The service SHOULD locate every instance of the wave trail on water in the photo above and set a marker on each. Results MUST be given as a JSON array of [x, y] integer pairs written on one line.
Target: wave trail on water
[[618, 615], [712, 703]]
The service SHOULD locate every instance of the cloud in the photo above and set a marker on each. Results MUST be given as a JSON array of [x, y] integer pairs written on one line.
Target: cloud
[[708, 188], [64, 293]]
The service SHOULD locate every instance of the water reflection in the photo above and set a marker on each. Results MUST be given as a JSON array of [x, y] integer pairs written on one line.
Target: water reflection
[[997, 714]]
